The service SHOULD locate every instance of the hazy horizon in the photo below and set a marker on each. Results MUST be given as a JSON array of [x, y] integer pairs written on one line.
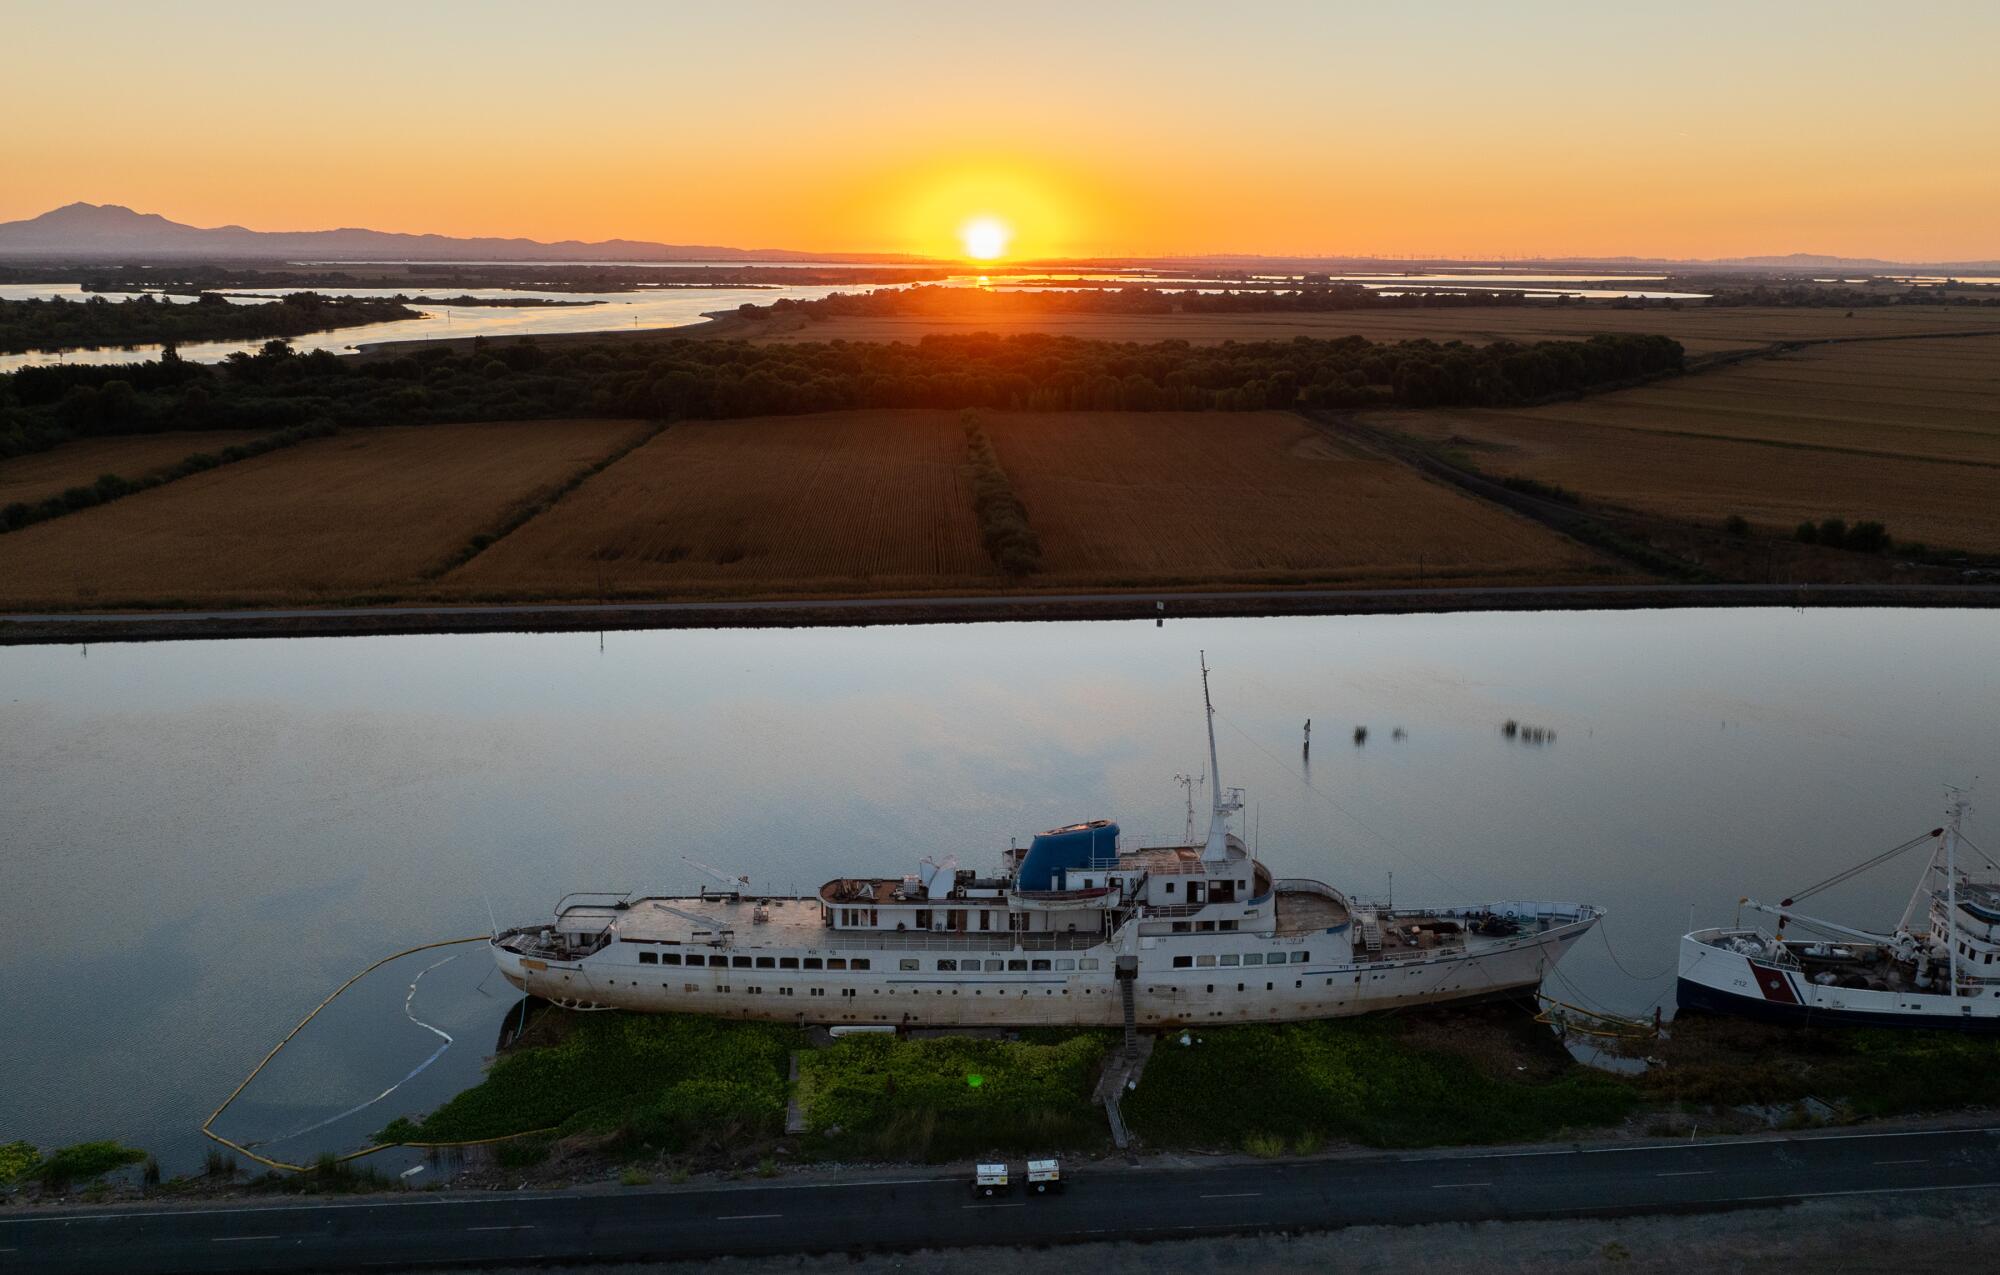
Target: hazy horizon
[[1552, 130]]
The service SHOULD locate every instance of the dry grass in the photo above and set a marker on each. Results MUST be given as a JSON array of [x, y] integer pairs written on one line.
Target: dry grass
[[1249, 497], [1701, 330], [1903, 432], [847, 501], [361, 511], [39, 475]]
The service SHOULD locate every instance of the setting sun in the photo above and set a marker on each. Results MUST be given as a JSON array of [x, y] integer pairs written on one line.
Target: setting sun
[[985, 238]]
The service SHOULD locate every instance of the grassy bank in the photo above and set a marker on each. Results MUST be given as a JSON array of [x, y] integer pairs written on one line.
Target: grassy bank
[[1384, 1082], [672, 1081], [1706, 1063], [878, 1097]]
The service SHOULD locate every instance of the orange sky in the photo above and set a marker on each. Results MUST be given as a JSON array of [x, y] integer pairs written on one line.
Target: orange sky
[[1555, 129]]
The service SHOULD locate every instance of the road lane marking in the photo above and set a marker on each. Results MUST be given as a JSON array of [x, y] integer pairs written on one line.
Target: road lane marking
[[1231, 1195], [1902, 1162], [237, 1239], [1686, 1173], [748, 1217], [1447, 1186], [522, 1226]]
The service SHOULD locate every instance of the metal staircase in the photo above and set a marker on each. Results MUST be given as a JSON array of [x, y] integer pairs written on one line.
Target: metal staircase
[[1371, 932]]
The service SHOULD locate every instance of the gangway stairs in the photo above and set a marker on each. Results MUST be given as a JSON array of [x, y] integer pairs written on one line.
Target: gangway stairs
[[1371, 933]]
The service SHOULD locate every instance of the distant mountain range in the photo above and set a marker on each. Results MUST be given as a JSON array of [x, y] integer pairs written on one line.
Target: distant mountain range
[[111, 231]]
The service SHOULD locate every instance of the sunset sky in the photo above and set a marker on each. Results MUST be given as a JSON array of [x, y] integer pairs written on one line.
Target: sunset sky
[[1556, 129]]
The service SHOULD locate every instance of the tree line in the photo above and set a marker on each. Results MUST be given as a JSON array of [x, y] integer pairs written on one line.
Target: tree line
[[58, 324], [928, 301], [279, 388]]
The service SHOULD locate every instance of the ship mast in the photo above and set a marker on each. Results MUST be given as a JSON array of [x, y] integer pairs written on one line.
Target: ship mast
[[1956, 810], [1224, 802]]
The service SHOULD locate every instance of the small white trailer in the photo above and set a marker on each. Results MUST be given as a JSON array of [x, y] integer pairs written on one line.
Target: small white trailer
[[1044, 1176], [990, 1180]]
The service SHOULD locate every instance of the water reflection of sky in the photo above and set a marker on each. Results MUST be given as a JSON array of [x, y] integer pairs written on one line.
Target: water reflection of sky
[[204, 838], [680, 307]]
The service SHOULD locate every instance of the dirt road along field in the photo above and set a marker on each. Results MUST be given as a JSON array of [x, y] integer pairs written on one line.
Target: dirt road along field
[[1906, 433]]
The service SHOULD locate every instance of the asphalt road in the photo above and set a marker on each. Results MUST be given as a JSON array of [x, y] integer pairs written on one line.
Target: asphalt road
[[922, 1211]]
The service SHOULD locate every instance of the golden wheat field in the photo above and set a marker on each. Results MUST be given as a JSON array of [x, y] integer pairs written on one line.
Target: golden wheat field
[[1699, 329], [1249, 497], [360, 511], [39, 475], [1906, 433], [867, 501]]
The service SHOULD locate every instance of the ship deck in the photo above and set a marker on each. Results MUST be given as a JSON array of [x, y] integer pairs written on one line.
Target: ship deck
[[789, 923]]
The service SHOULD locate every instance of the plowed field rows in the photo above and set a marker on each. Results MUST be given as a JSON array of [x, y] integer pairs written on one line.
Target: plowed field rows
[[363, 510]]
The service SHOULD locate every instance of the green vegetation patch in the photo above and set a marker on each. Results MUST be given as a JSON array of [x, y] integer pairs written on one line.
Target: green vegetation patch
[[1363, 1080], [1869, 1071], [84, 1162], [948, 1096], [670, 1080], [18, 1161]]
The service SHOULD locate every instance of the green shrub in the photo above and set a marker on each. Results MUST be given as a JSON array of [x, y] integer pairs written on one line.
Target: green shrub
[[85, 1162], [1354, 1079], [18, 1162], [522, 1153], [1868, 537], [946, 1096], [401, 1129]]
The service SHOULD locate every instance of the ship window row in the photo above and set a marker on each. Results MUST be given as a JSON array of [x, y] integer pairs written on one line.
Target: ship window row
[[755, 962], [1204, 927], [1231, 958]]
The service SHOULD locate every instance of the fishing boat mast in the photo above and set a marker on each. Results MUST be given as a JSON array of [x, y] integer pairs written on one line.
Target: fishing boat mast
[[1955, 811], [1224, 801]]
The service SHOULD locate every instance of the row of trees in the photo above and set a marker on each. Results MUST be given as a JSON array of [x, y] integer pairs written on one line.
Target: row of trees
[[961, 303], [58, 324], [278, 388]]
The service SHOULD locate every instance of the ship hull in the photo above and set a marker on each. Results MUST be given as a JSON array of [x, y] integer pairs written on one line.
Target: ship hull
[[1690, 995], [1162, 998], [1715, 979]]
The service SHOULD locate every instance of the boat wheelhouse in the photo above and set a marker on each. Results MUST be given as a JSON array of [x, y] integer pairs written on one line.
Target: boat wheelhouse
[[1073, 929]]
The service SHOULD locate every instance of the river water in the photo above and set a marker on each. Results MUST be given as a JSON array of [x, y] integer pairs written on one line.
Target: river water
[[679, 307], [202, 839]]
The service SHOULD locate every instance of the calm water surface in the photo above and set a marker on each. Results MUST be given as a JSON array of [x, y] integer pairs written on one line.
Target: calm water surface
[[202, 839], [673, 308]]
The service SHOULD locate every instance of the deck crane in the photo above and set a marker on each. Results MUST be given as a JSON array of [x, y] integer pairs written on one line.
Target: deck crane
[[734, 887]]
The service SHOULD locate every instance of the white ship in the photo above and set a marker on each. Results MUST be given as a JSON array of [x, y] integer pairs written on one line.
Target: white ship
[[1939, 968], [1076, 929]]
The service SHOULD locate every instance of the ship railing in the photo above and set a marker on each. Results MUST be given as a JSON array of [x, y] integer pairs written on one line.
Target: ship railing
[[950, 941], [1306, 885]]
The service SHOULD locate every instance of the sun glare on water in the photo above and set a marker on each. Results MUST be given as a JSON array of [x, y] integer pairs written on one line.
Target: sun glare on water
[[985, 238]]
